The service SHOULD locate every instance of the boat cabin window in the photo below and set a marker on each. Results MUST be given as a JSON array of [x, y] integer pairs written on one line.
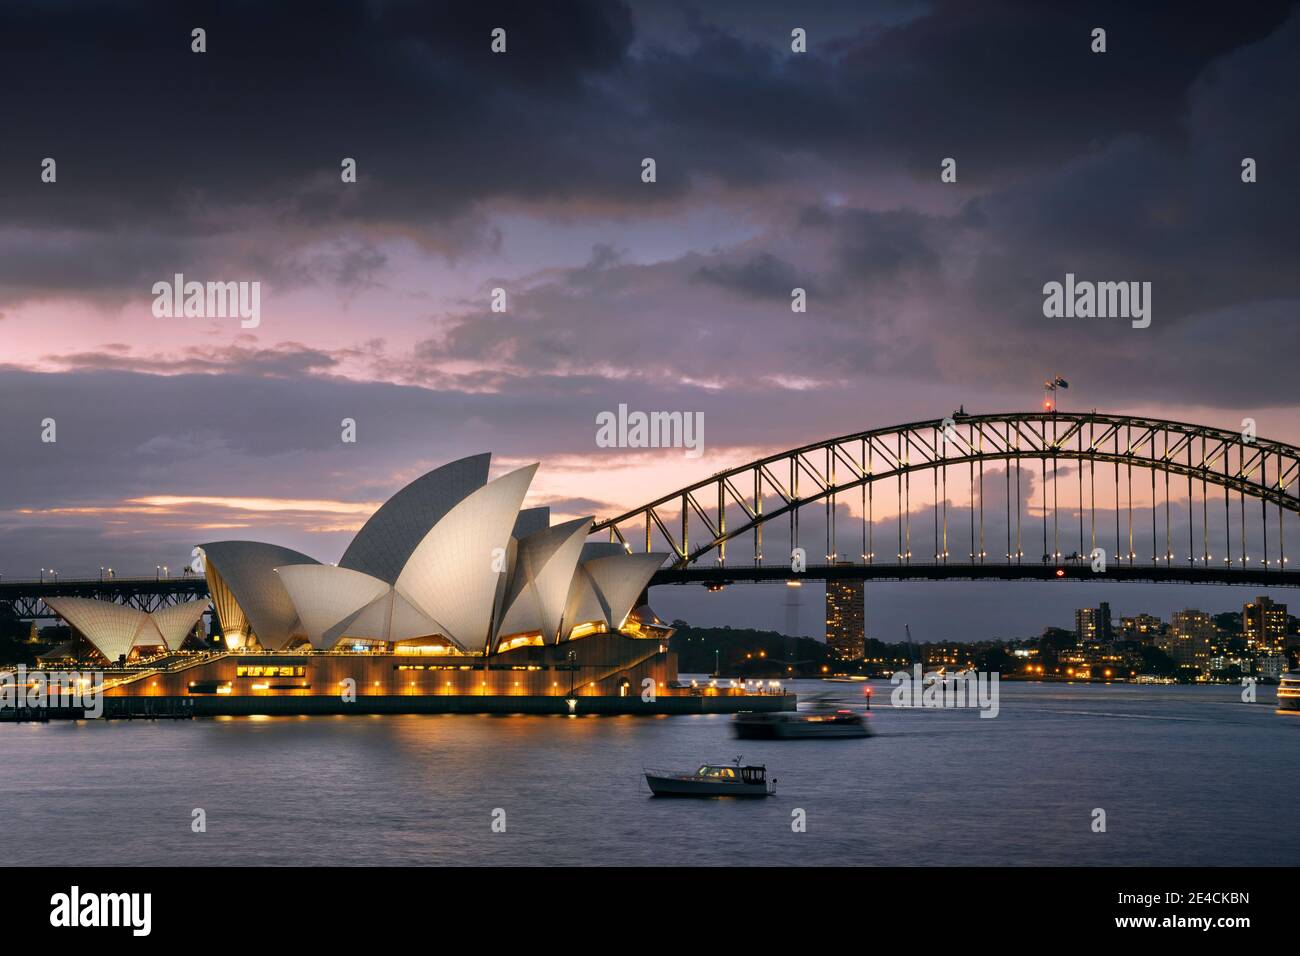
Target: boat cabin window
[[753, 774], [719, 773]]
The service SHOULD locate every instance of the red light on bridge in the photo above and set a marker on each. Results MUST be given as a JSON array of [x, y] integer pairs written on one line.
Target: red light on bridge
[[1060, 572], [1047, 405]]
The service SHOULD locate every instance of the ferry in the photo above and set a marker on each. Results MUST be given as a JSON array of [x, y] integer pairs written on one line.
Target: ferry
[[1288, 691], [748, 725], [712, 780], [822, 720]]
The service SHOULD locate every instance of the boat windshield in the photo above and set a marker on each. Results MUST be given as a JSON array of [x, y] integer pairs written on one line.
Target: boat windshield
[[717, 773]]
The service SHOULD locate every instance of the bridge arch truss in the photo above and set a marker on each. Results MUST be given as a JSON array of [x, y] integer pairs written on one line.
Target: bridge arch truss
[[1233, 491]]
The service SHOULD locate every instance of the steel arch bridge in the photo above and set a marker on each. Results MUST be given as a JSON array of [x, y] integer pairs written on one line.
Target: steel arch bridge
[[1234, 492], [26, 598]]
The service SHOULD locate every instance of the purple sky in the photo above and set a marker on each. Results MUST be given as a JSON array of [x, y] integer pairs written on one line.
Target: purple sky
[[522, 171]]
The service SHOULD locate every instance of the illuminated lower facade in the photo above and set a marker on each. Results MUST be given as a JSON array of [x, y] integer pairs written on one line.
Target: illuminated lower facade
[[602, 673]]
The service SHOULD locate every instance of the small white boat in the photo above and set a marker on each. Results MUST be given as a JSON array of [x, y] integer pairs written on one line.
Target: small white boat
[[712, 780]]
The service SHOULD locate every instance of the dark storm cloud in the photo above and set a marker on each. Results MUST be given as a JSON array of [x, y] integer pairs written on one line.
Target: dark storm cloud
[[285, 359], [143, 128], [762, 276], [156, 144]]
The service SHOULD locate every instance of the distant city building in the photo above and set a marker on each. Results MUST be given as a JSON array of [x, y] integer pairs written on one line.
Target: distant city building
[[846, 636], [1105, 632], [1271, 666], [1085, 624], [944, 655], [1263, 625], [1223, 662], [1143, 628], [1191, 633], [1092, 624]]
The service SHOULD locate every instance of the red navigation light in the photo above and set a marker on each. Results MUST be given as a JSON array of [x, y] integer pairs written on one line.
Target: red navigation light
[[1047, 405], [1060, 572], [868, 691]]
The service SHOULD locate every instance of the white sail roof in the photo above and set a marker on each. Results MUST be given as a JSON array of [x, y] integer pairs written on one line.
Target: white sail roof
[[542, 575], [149, 635], [454, 572], [532, 520], [619, 580], [602, 549], [583, 605], [247, 568], [176, 622], [408, 621], [111, 628], [385, 542], [325, 596]]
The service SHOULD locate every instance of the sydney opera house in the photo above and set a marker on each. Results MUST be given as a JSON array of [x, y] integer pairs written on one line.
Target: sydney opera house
[[450, 597]]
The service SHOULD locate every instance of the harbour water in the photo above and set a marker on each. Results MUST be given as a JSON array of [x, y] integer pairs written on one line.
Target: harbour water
[[1185, 775]]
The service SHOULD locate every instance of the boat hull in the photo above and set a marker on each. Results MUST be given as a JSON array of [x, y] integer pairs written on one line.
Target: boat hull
[[678, 787]]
